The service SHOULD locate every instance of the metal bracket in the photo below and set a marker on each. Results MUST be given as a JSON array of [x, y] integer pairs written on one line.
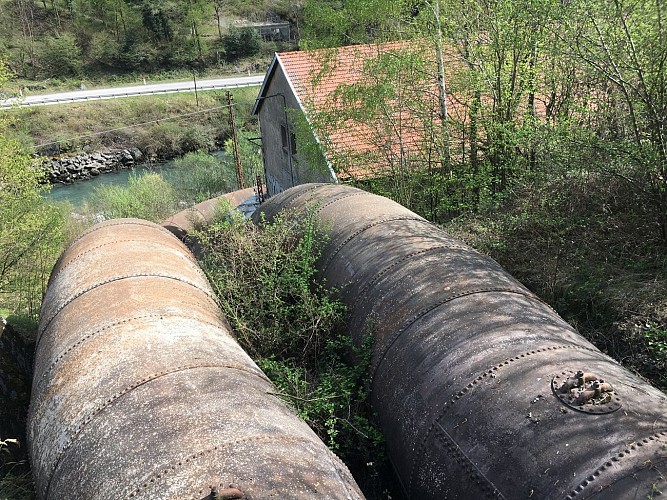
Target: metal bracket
[[585, 392]]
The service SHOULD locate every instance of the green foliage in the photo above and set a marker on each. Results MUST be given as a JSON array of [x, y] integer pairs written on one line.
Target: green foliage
[[61, 56], [588, 246], [333, 400], [121, 36], [171, 138], [263, 280], [147, 197], [158, 136], [251, 157], [655, 335], [199, 176], [269, 289], [241, 42], [31, 231]]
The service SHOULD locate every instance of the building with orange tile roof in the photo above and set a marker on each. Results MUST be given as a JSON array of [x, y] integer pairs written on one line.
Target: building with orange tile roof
[[307, 107]]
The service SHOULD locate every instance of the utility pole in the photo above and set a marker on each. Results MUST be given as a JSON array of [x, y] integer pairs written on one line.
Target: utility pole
[[194, 78], [235, 141]]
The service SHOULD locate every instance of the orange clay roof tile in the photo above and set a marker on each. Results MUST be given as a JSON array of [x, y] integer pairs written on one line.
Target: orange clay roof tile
[[316, 75]]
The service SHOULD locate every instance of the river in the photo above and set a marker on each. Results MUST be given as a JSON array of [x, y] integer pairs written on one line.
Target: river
[[77, 192]]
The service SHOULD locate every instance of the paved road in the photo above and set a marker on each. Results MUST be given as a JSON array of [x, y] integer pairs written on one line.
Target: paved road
[[112, 93]]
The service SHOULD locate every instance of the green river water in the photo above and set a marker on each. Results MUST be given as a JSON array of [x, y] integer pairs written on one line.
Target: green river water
[[77, 192]]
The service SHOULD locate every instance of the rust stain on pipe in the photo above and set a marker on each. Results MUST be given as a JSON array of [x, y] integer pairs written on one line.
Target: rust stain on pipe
[[466, 362], [141, 391]]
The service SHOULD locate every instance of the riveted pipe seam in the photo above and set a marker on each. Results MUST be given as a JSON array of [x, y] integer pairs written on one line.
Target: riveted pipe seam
[[652, 440], [87, 419], [153, 480], [76, 426], [297, 193], [488, 488], [143, 374], [109, 223], [79, 427], [113, 280], [388, 343], [335, 252], [370, 283], [441, 410], [87, 336], [99, 247], [319, 208]]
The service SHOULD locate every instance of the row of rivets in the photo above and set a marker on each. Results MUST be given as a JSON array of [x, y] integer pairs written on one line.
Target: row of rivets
[[610, 463], [191, 458], [83, 291], [398, 262], [422, 312], [488, 373], [74, 431], [368, 226]]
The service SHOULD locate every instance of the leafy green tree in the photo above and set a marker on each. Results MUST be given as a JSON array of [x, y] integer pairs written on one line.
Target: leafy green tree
[[31, 231], [335, 23], [624, 44], [61, 56], [241, 42]]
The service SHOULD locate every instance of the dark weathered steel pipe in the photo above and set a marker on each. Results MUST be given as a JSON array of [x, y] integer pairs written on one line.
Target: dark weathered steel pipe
[[140, 391], [468, 366], [202, 213]]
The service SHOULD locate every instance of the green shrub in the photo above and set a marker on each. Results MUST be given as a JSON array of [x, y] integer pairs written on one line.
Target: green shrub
[[162, 140], [241, 42], [61, 56], [171, 139], [269, 289], [31, 231], [146, 196], [199, 176], [265, 281], [197, 137]]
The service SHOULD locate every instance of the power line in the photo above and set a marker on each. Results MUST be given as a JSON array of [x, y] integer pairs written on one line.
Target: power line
[[93, 134]]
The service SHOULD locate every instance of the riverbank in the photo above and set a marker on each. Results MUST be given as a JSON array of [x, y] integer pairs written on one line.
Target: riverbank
[[68, 169]]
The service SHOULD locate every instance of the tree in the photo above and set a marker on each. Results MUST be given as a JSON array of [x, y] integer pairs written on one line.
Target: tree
[[624, 44], [241, 42], [61, 56], [30, 230]]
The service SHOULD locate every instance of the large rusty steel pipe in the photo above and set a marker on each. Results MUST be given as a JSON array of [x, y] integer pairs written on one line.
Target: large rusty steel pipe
[[481, 389], [140, 390]]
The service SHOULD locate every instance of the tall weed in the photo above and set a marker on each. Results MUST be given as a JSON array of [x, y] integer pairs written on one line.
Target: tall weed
[[200, 176], [270, 290], [146, 196], [266, 283]]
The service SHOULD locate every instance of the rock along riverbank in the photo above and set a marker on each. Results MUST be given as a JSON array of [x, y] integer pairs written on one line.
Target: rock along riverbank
[[67, 170]]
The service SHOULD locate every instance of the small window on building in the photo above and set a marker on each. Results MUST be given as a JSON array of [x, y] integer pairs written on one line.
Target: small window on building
[[291, 146], [283, 137]]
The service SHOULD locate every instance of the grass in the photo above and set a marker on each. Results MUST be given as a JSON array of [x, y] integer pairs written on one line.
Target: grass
[[146, 196], [112, 123]]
